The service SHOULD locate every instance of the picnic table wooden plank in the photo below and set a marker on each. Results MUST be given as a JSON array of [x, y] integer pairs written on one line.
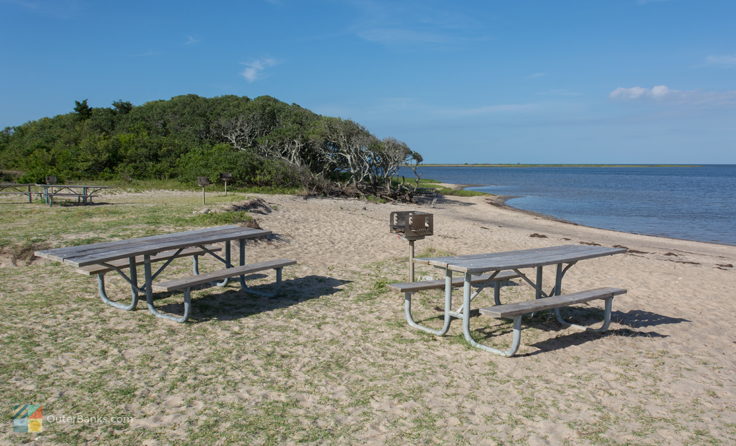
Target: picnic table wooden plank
[[59, 254], [535, 253], [74, 185], [101, 252], [162, 256], [456, 282], [479, 263], [187, 282], [204, 239], [548, 303]]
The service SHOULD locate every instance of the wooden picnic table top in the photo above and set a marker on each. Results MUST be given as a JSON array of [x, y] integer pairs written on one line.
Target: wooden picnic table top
[[73, 185], [96, 253], [526, 258]]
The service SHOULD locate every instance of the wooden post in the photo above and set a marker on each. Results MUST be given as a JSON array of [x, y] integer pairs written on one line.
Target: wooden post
[[203, 182]]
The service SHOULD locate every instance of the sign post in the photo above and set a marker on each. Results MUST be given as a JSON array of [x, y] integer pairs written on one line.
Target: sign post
[[203, 182]]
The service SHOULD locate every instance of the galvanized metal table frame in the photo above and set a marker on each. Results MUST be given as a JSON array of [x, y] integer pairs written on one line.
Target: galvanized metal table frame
[[84, 193], [103, 253], [563, 257], [17, 189]]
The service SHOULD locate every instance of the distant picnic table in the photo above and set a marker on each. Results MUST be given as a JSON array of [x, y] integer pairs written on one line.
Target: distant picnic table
[[17, 189], [492, 269], [125, 255], [83, 193]]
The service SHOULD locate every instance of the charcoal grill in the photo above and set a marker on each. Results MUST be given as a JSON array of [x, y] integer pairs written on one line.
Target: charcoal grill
[[412, 226]]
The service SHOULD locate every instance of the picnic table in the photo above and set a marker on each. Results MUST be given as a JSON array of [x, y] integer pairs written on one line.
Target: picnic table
[[83, 193], [509, 265], [17, 189], [121, 255]]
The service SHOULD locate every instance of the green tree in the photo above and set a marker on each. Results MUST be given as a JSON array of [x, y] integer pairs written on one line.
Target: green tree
[[83, 109]]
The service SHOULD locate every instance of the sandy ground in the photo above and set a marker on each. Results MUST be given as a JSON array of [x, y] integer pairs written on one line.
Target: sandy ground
[[348, 364], [676, 323]]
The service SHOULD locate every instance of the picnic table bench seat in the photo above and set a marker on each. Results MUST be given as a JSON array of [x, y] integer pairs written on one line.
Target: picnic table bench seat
[[481, 281], [413, 287], [519, 309], [200, 279], [187, 283]]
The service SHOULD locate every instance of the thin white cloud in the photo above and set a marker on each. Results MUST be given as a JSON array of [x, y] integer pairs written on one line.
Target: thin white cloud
[[396, 35], [405, 106], [536, 75], [147, 53], [560, 92], [401, 23], [646, 2], [487, 110], [254, 69], [634, 93], [662, 93], [191, 40], [60, 9], [721, 60]]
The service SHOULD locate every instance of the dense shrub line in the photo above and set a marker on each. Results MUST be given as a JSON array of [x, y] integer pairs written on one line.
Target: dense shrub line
[[261, 141]]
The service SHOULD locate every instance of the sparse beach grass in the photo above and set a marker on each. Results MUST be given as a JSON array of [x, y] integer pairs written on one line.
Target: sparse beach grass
[[331, 359]]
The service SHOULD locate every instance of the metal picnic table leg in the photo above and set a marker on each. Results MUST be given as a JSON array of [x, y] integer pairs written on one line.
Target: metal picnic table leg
[[603, 327], [466, 326], [241, 261], [244, 285], [195, 265], [133, 288], [447, 314], [228, 262], [539, 291], [558, 315], [149, 295]]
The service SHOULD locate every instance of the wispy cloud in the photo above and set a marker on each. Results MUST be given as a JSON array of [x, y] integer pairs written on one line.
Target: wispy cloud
[[646, 2], [404, 106], [662, 93], [191, 40], [147, 53], [560, 92], [536, 75], [487, 110], [729, 59], [396, 35], [60, 9], [413, 22], [254, 69]]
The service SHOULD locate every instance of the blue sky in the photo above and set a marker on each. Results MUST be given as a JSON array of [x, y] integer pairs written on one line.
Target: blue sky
[[588, 81]]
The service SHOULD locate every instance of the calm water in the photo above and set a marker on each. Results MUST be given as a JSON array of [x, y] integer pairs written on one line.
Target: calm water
[[694, 203]]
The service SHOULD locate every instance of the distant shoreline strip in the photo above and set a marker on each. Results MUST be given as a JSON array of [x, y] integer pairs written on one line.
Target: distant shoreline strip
[[558, 165]]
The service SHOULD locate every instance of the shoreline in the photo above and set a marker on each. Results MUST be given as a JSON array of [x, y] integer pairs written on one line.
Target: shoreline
[[500, 201], [563, 165]]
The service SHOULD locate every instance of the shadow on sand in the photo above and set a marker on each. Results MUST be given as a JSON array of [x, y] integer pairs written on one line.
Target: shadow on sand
[[234, 303]]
